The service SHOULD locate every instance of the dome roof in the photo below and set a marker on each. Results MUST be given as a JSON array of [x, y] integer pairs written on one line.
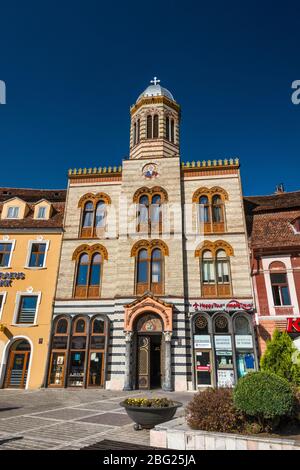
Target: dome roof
[[156, 90]]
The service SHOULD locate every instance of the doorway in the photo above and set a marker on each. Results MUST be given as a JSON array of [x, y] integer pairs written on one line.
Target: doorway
[[18, 363], [149, 361]]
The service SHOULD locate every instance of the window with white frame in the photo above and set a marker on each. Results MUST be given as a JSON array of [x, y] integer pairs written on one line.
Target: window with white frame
[[27, 309], [37, 254], [5, 254], [13, 212], [279, 284], [41, 214]]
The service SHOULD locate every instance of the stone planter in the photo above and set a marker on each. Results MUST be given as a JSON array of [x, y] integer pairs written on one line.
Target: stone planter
[[177, 435], [148, 417]]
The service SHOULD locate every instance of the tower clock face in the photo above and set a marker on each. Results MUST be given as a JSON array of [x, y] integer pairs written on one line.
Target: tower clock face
[[150, 171]]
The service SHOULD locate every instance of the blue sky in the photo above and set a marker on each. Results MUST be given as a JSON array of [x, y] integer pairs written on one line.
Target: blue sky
[[73, 68]]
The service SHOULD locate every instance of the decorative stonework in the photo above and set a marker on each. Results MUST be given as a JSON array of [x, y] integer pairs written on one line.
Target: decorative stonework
[[148, 304], [150, 170], [214, 247], [94, 198], [210, 193], [150, 192], [149, 245], [90, 249]]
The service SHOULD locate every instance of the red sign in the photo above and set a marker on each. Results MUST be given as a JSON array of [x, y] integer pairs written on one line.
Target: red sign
[[231, 306], [293, 324], [204, 368]]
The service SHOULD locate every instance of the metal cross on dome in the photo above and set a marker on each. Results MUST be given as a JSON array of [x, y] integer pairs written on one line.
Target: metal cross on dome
[[155, 81]]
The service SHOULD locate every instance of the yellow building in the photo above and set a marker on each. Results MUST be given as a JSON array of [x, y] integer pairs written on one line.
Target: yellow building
[[31, 227]]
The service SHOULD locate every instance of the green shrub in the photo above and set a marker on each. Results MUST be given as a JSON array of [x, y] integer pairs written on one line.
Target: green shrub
[[213, 410], [264, 396], [279, 358]]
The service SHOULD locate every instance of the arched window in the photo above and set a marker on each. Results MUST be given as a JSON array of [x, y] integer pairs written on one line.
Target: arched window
[[138, 130], [208, 268], [61, 326], [241, 326], [79, 326], [149, 127], [150, 267], [172, 131], [88, 279], [143, 217], [149, 213], [156, 209], [201, 325], [100, 215], [155, 126], [217, 209], [142, 270], [134, 133], [167, 128], [221, 324], [211, 209], [93, 222], [222, 267], [152, 126], [279, 283], [204, 210], [88, 214], [215, 269], [156, 271]]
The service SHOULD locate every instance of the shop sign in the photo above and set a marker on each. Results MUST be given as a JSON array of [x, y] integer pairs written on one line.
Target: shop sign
[[202, 341], [225, 378], [223, 342], [7, 278], [230, 307], [293, 325], [243, 341]]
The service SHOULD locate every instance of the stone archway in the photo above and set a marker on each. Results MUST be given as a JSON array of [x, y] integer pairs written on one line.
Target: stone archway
[[148, 305]]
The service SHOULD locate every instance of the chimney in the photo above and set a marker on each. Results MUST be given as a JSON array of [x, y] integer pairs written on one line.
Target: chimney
[[280, 189]]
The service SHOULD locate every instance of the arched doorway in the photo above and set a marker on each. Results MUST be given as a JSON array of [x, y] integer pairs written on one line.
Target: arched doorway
[[17, 364], [150, 352]]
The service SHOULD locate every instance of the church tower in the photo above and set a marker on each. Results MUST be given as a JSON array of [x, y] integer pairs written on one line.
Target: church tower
[[154, 129]]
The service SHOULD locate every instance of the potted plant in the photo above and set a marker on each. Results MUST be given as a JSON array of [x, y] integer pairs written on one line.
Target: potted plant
[[148, 412]]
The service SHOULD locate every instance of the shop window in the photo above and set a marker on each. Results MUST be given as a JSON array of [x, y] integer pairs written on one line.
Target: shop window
[[5, 254], [27, 309], [221, 324], [37, 255], [244, 346]]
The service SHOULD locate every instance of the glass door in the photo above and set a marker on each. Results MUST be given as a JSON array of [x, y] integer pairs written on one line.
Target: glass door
[[57, 371], [203, 368], [17, 371], [95, 376]]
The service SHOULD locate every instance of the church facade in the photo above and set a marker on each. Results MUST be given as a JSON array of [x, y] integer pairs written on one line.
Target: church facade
[[154, 287]]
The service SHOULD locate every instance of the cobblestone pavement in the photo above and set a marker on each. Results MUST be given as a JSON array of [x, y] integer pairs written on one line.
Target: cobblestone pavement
[[69, 419]]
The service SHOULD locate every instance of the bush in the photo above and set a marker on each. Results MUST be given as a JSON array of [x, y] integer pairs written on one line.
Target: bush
[[264, 396], [213, 410], [279, 358]]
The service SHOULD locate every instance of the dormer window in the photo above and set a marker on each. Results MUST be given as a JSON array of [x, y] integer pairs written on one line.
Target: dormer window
[[296, 225], [41, 212], [13, 212]]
